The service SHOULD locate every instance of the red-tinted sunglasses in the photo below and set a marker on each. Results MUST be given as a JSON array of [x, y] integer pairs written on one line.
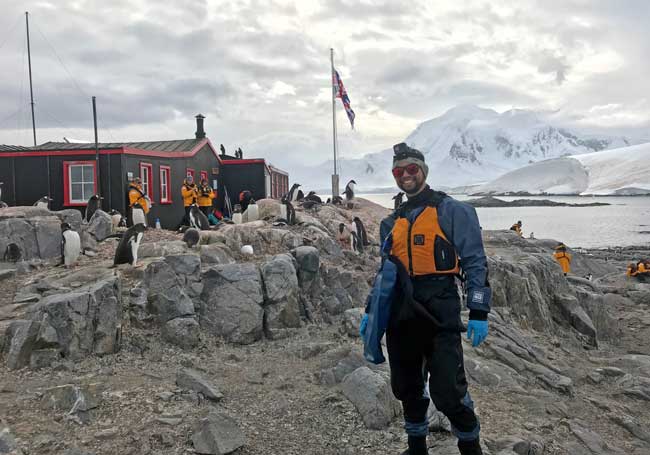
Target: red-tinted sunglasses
[[411, 169]]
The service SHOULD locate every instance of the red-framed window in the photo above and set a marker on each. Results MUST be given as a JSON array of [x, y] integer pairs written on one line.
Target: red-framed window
[[190, 171], [79, 182], [146, 175], [204, 175], [165, 184]]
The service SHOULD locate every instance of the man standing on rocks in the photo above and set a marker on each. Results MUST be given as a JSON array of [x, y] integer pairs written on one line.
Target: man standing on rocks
[[430, 238]]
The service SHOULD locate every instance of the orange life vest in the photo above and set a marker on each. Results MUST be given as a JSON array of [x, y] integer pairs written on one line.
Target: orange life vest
[[422, 247]]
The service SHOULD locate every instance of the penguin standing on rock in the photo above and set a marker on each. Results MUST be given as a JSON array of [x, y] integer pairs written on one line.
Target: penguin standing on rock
[[288, 212], [292, 195], [343, 235], [349, 190], [43, 203], [197, 219], [127, 250], [94, 203], [70, 246], [360, 229]]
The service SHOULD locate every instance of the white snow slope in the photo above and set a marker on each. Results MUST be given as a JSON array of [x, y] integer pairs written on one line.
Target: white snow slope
[[621, 171], [469, 145]]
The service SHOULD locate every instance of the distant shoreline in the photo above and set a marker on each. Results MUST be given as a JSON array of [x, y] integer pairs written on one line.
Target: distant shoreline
[[489, 201]]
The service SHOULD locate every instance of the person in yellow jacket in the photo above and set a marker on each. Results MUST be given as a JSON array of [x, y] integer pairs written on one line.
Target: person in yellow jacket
[[137, 196], [190, 194], [206, 195], [632, 270], [563, 258], [517, 228]]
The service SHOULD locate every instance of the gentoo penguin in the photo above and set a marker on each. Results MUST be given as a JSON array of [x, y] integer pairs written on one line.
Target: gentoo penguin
[[398, 199], [337, 200], [308, 205], [191, 237], [290, 214], [70, 245], [355, 244], [117, 219], [311, 196], [349, 190], [292, 195], [137, 215], [94, 203], [343, 235], [12, 253], [43, 202], [361, 231], [198, 220], [127, 250]]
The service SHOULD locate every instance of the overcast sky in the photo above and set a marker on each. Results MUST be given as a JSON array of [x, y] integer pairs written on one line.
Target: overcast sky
[[259, 70]]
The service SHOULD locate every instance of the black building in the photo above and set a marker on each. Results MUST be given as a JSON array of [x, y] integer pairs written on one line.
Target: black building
[[70, 173]]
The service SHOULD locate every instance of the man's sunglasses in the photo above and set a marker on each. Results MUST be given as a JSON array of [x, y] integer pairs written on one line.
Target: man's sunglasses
[[411, 169]]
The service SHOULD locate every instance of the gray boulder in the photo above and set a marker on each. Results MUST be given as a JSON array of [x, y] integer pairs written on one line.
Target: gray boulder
[[160, 249], [576, 316], [308, 260], [84, 322], [370, 393], [73, 400], [216, 253], [100, 225], [281, 303], [217, 434], [170, 303], [189, 379], [231, 303], [20, 341], [183, 332]]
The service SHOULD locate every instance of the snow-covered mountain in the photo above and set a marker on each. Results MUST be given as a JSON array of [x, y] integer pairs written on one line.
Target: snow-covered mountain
[[622, 171], [470, 145]]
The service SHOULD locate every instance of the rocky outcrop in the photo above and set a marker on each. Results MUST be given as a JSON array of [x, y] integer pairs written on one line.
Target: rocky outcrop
[[66, 321], [281, 303], [231, 303], [100, 225]]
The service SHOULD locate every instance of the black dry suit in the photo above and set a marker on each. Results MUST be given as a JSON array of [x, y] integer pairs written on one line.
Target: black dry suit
[[424, 329]]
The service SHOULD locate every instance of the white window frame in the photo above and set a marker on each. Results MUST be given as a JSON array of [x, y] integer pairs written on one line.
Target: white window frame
[[165, 179], [84, 197]]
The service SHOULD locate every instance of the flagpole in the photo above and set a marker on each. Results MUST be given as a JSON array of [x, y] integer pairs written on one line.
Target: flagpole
[[335, 176]]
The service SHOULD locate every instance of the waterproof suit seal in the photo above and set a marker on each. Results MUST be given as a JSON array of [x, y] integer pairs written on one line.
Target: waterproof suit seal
[[432, 239]]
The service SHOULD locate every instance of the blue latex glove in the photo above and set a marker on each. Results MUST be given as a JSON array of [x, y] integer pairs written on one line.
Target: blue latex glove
[[363, 325], [477, 331]]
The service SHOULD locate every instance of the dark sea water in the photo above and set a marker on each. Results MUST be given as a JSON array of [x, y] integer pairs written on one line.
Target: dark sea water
[[625, 222]]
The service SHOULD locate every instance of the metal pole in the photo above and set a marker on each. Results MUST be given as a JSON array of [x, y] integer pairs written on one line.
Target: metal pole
[[99, 181], [31, 89], [335, 177]]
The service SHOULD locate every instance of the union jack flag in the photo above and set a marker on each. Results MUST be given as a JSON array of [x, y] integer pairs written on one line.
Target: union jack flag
[[339, 92]]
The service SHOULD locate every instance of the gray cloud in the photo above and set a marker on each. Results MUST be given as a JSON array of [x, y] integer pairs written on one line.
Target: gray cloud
[[154, 64]]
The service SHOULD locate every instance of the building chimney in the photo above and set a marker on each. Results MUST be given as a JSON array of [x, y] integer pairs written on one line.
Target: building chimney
[[200, 132]]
